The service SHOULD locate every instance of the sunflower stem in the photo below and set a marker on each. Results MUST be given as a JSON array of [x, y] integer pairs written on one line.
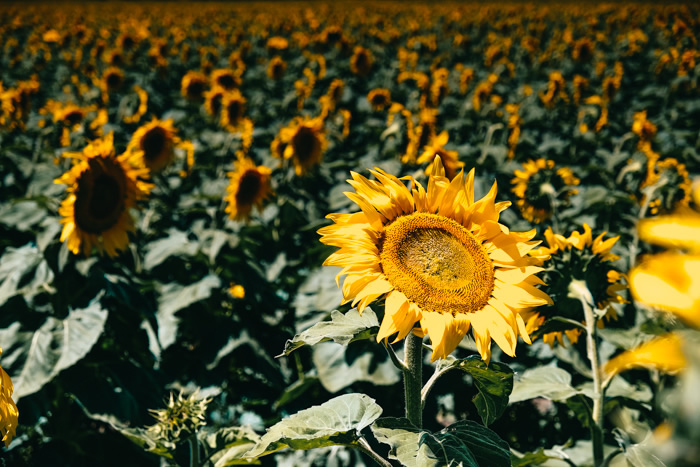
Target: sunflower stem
[[194, 450], [597, 413], [413, 378], [367, 449]]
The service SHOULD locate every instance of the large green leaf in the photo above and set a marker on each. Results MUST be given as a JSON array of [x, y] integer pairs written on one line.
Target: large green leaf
[[494, 383], [404, 439], [449, 449], [336, 422], [228, 445], [486, 446], [335, 371], [546, 381], [342, 328], [173, 298], [38, 356], [23, 271], [176, 243]]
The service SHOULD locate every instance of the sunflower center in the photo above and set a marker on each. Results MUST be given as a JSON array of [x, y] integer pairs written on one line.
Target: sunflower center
[[437, 263], [153, 143], [195, 88], [226, 81], [73, 117], [114, 80], [99, 200], [248, 188], [234, 111], [304, 141]]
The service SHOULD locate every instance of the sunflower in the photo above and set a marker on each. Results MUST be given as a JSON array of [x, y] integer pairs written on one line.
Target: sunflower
[[361, 61], [212, 100], [276, 68], [8, 410], [112, 80], [249, 186], [277, 44], [379, 98], [233, 107], [435, 149], [673, 185], [193, 85], [154, 143], [578, 257], [224, 78], [437, 256], [102, 188], [540, 188], [305, 142]]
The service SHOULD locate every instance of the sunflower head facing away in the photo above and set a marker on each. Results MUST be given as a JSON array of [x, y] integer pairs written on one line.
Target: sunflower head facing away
[[102, 188], [438, 257], [305, 142], [249, 186], [155, 143], [540, 187], [578, 257], [8, 409]]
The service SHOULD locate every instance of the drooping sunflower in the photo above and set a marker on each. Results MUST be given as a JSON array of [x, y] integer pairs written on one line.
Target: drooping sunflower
[[193, 85], [276, 68], [578, 257], [233, 109], [540, 187], [439, 258], [154, 144], [361, 61], [305, 141], [102, 188], [435, 149], [8, 409], [249, 186], [379, 98]]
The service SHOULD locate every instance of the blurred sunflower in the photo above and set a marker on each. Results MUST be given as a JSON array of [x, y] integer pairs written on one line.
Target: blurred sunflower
[[102, 188], [249, 186], [112, 80], [438, 257], [305, 143], [361, 61], [673, 185], [276, 68], [277, 44], [435, 149], [232, 111], [212, 100], [8, 410], [154, 144], [224, 78], [379, 98], [540, 188], [579, 257], [193, 85]]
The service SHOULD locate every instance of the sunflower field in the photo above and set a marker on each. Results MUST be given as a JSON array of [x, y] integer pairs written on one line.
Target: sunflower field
[[267, 233]]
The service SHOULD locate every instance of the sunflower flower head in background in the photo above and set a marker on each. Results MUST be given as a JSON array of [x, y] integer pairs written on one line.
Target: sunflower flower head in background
[[580, 257], [155, 142], [102, 188], [541, 188], [305, 141], [249, 187], [193, 85], [232, 110], [669, 183], [180, 419], [435, 149], [8, 409], [361, 61], [439, 258], [379, 98], [276, 68]]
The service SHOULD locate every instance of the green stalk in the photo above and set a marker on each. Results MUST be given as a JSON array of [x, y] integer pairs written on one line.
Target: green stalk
[[194, 450], [413, 378]]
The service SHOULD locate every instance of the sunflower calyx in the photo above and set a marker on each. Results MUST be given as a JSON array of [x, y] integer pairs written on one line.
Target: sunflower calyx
[[180, 419]]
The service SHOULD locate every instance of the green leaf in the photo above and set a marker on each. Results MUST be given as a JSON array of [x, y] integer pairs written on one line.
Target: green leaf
[[41, 355], [176, 243], [143, 438], [342, 329], [486, 446], [546, 381], [228, 444], [404, 439], [336, 373], [173, 298], [494, 383], [23, 271], [336, 422], [449, 449], [531, 458], [581, 408]]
